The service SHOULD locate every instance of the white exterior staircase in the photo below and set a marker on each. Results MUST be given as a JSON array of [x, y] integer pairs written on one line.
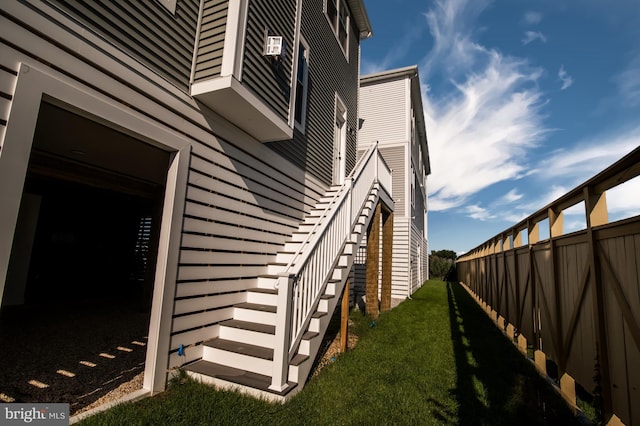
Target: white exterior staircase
[[269, 346]]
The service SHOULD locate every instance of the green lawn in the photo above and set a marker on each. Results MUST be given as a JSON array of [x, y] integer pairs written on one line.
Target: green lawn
[[436, 359]]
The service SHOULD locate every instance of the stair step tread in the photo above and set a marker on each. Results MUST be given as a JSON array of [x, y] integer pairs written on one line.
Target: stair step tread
[[234, 375], [256, 307], [310, 335], [252, 326], [327, 296], [263, 290], [270, 276], [318, 314], [241, 348], [299, 359]]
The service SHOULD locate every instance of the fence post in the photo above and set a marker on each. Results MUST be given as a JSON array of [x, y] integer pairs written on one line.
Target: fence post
[[537, 336], [595, 210], [280, 376]]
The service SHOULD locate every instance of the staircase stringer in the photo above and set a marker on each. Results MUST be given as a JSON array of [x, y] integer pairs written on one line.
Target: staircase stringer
[[355, 239], [303, 282]]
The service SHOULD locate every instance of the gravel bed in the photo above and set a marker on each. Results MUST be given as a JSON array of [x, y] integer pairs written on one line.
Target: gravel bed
[[331, 345], [76, 354], [85, 355]]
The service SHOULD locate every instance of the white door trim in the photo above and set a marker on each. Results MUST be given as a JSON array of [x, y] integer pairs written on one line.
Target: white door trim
[[339, 142], [34, 85]]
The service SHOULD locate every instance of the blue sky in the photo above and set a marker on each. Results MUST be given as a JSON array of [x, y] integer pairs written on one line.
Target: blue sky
[[523, 99]]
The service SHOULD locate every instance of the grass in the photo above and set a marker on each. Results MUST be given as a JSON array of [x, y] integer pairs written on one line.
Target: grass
[[435, 359]]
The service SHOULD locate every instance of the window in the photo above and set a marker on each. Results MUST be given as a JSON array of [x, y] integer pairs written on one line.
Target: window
[[302, 84], [338, 16], [424, 182], [413, 186]]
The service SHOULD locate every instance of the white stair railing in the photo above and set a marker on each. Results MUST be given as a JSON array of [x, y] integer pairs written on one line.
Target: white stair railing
[[304, 279]]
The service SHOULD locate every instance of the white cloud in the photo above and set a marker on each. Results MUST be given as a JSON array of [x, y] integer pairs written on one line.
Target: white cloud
[[628, 82], [583, 161], [530, 36], [479, 213], [566, 79], [532, 18], [572, 167], [589, 157], [480, 131], [450, 23], [519, 211], [623, 200], [574, 225], [486, 116], [510, 197], [532, 204]]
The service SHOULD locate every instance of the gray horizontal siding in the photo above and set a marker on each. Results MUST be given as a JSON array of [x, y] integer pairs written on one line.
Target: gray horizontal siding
[[395, 158], [329, 72], [270, 82], [211, 39], [243, 200], [8, 78], [143, 29], [238, 214], [240, 210]]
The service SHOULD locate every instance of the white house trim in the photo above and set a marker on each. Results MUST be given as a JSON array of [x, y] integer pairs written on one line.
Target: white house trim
[[233, 100], [294, 72], [234, 38]]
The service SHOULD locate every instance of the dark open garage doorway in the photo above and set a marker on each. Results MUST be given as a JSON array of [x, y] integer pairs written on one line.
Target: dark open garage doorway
[[76, 304]]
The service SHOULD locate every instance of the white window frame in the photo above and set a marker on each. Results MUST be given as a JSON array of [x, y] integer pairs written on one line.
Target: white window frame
[[413, 186], [301, 125], [340, 6]]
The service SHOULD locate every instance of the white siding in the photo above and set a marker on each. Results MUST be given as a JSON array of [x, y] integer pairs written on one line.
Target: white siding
[[383, 108], [400, 267], [419, 259], [395, 159]]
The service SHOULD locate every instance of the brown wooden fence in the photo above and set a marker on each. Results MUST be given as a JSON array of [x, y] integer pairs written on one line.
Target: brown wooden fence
[[574, 297]]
